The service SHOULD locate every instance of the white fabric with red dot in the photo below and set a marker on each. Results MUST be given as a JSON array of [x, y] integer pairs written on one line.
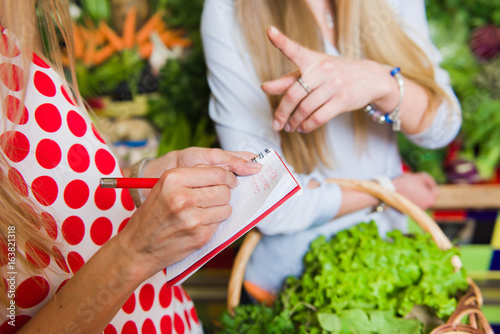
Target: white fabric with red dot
[[57, 157]]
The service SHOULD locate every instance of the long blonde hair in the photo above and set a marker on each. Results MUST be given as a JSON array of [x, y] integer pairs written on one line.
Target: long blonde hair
[[364, 29], [19, 215]]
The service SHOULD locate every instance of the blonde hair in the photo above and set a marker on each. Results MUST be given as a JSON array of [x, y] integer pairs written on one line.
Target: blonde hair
[[17, 212], [364, 29]]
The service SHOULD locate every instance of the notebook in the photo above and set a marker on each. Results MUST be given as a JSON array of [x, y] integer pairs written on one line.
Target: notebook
[[252, 200]]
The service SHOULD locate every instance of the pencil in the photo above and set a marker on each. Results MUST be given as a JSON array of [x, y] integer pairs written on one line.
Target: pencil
[[128, 182], [137, 182]]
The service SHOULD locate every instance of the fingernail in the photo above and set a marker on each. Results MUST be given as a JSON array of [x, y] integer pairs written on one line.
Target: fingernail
[[299, 129], [276, 125], [287, 127], [252, 164], [274, 31]]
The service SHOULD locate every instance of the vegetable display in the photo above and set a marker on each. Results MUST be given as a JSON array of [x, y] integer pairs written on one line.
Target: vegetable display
[[467, 33], [101, 47], [180, 109], [359, 283]]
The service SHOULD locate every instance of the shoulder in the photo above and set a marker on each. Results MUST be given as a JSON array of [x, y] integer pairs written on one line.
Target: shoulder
[[409, 10], [219, 9], [217, 17], [395, 4], [404, 7]]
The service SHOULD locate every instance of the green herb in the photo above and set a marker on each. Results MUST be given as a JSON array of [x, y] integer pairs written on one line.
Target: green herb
[[124, 67], [180, 110], [359, 283], [475, 82], [422, 159], [98, 10]]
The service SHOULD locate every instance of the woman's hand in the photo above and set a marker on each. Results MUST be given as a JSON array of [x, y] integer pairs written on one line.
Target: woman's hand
[[179, 216], [337, 85], [420, 188], [237, 162], [185, 207]]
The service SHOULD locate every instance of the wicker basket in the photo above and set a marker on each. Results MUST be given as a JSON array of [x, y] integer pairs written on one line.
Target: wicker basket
[[469, 305]]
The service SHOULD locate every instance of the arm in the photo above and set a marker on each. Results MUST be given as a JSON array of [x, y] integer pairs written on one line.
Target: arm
[[243, 117], [448, 118], [243, 122], [181, 214], [341, 85], [420, 188], [338, 85]]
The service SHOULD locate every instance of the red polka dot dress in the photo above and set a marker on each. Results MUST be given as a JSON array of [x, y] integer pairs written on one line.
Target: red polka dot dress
[[57, 157]]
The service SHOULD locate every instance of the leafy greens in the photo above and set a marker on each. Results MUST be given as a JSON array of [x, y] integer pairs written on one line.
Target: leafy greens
[[358, 282]]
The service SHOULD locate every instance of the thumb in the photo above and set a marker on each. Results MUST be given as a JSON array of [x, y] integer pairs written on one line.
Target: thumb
[[299, 55], [281, 85]]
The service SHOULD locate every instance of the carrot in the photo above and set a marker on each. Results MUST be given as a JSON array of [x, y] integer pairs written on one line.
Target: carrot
[[172, 38], [182, 42], [78, 41], [145, 49], [89, 52], [148, 27], [167, 36], [103, 54], [83, 34], [99, 36], [111, 36], [129, 27], [160, 27]]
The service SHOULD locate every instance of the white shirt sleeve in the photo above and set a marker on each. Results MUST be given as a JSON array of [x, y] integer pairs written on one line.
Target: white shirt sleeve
[[243, 118], [448, 119]]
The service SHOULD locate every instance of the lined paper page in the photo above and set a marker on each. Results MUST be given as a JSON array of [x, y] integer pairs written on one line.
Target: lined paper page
[[255, 195]]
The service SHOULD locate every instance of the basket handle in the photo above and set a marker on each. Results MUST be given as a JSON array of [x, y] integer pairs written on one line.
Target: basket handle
[[400, 203], [238, 271], [391, 198], [454, 324]]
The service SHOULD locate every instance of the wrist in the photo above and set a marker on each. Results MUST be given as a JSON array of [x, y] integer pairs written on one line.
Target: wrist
[[386, 183], [133, 266], [389, 90], [137, 171], [398, 182], [116, 258]]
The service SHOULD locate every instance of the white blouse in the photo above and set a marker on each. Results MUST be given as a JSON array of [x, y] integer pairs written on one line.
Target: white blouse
[[243, 119]]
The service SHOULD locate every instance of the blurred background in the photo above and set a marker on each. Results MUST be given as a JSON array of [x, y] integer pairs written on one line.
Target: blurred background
[[140, 68]]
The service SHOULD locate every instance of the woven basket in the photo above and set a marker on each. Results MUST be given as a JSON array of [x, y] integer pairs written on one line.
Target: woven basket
[[469, 305]]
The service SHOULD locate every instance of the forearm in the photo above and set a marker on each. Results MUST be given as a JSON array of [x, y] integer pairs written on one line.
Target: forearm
[[354, 200], [92, 297]]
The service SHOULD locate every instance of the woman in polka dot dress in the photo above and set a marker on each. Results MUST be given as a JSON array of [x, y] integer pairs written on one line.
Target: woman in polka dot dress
[[75, 258]]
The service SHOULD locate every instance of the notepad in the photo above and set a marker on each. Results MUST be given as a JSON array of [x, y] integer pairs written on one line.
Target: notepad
[[252, 200]]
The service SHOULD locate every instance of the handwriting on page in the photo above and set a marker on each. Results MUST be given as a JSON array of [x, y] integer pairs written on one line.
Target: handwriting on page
[[261, 181]]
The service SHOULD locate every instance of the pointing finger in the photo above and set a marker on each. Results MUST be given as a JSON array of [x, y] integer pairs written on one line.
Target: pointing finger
[[298, 54]]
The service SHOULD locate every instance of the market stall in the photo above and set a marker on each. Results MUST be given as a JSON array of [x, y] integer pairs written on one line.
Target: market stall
[[140, 67]]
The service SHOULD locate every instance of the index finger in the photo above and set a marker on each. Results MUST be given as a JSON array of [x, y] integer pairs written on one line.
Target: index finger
[[195, 177], [239, 162], [298, 54]]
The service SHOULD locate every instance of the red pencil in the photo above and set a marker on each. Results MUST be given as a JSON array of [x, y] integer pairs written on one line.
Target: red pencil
[[128, 182], [137, 182]]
